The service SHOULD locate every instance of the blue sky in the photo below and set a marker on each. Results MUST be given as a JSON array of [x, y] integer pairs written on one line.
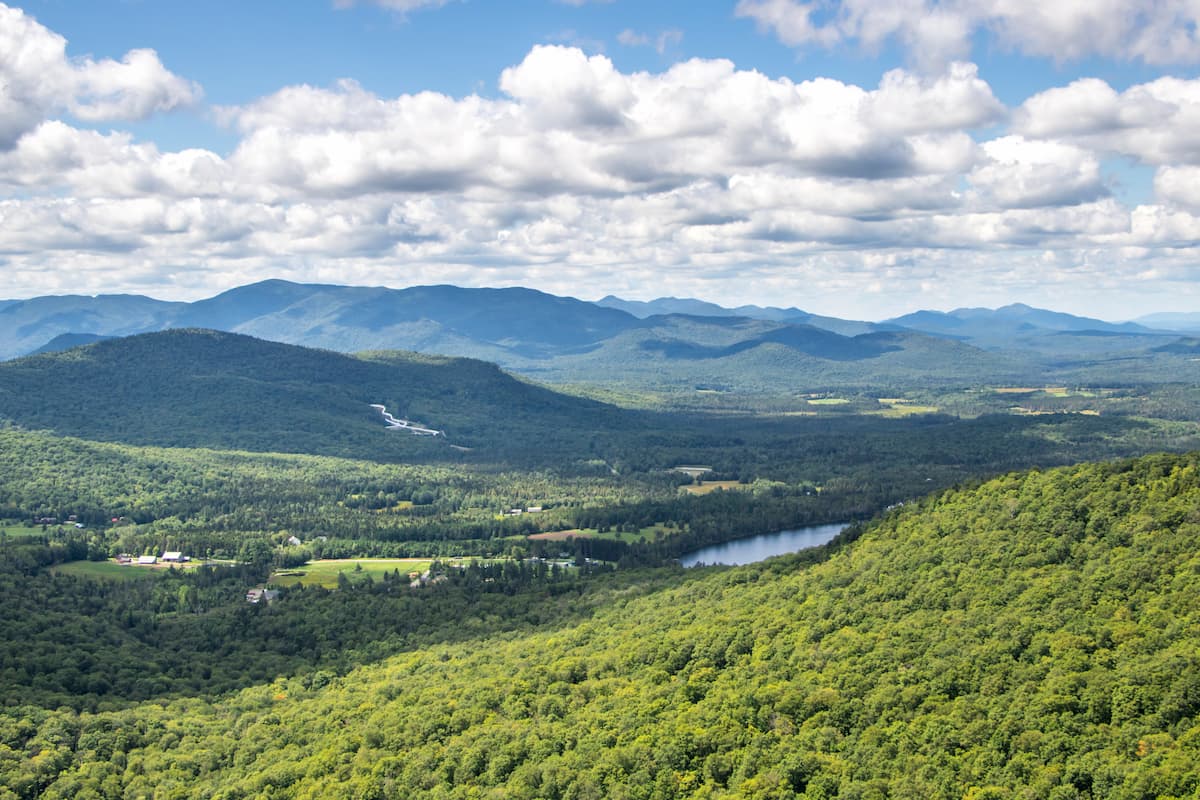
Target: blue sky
[[833, 156]]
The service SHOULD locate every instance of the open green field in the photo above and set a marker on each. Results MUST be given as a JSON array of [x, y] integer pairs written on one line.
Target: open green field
[[629, 537], [899, 407], [708, 487], [325, 573], [1051, 391], [560, 536], [106, 570], [18, 531]]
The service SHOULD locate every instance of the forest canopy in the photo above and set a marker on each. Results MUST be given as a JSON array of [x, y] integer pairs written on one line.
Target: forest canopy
[[1034, 636]]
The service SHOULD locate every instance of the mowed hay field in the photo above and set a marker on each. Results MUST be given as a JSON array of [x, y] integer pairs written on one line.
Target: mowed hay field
[[559, 536], [325, 573], [107, 570], [707, 487]]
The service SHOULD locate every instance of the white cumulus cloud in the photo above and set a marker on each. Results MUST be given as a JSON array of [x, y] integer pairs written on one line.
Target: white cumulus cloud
[[37, 80], [937, 31], [1019, 173], [1156, 123]]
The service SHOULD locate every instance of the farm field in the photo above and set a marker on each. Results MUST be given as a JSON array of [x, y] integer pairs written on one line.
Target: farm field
[[1051, 391], [648, 533], [325, 573], [708, 487], [900, 407], [106, 570], [560, 536], [18, 531]]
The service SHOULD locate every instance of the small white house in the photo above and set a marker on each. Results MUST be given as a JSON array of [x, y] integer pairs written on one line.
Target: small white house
[[173, 556], [259, 595], [147, 561]]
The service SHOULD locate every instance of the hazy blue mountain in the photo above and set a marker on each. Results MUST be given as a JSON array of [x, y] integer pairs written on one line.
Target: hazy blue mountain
[[237, 307], [1172, 321], [676, 305], [498, 324], [1017, 315], [805, 339], [666, 305], [1019, 326], [26, 325]]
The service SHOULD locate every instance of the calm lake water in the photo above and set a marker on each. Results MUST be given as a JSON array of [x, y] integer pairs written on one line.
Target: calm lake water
[[756, 548]]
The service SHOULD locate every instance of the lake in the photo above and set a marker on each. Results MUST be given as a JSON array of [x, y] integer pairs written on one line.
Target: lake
[[756, 548]]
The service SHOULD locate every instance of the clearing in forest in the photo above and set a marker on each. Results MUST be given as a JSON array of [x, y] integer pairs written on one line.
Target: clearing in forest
[[707, 487], [325, 572], [559, 536]]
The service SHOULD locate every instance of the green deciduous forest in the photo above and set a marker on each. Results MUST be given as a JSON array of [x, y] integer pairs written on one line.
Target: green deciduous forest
[[991, 624], [1030, 637]]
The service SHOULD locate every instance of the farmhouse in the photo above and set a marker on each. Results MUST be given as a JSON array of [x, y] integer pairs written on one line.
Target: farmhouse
[[147, 561], [261, 595], [174, 556]]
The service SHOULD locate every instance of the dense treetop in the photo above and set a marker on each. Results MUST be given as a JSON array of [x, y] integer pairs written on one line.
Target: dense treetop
[[1035, 636]]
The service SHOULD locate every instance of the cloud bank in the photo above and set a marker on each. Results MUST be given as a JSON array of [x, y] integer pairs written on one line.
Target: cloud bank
[[937, 31], [702, 179]]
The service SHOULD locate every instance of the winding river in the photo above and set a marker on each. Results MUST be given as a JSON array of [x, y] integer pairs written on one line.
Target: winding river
[[756, 548]]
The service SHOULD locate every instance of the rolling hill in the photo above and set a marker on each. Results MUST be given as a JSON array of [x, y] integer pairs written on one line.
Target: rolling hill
[[197, 388], [745, 356]]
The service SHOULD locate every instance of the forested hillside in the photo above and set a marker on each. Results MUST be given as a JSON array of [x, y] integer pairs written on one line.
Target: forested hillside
[[1036, 636], [193, 388]]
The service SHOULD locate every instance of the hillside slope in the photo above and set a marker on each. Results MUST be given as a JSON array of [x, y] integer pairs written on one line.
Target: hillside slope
[[194, 388], [1034, 637]]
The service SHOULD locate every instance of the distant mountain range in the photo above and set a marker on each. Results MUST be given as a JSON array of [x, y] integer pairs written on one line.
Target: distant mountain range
[[700, 308], [668, 342], [499, 324], [1172, 321]]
